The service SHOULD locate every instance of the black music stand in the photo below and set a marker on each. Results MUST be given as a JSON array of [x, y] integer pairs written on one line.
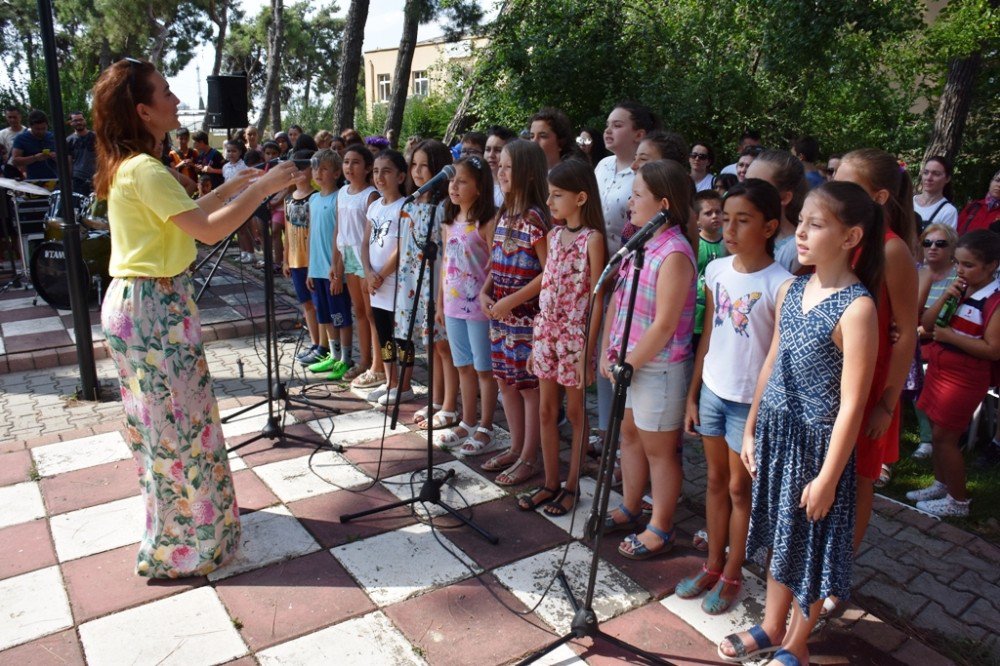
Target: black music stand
[[585, 623], [430, 491]]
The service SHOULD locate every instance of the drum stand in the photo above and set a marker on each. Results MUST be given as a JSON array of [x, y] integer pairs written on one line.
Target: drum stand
[[224, 247], [21, 279], [274, 428]]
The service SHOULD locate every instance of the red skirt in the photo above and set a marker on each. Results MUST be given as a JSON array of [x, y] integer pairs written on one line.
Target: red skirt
[[954, 387]]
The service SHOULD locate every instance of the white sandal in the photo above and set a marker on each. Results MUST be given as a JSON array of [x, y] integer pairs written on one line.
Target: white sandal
[[450, 439], [476, 447], [420, 416], [442, 419]]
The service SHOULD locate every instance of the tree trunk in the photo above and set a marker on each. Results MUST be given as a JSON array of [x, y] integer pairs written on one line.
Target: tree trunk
[[346, 94], [272, 103], [953, 107], [401, 77], [219, 14]]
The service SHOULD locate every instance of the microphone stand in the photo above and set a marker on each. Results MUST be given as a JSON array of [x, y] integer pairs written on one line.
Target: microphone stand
[[273, 429], [585, 623], [430, 491]]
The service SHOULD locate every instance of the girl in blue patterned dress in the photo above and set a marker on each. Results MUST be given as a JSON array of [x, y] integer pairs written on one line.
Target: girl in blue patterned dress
[[510, 299], [805, 417]]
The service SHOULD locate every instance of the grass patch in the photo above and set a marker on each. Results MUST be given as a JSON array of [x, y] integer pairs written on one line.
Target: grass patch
[[983, 483]]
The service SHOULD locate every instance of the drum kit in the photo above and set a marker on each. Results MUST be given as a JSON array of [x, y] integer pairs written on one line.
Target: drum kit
[[47, 261]]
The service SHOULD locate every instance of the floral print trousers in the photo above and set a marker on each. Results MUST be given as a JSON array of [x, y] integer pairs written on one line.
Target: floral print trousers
[[172, 426]]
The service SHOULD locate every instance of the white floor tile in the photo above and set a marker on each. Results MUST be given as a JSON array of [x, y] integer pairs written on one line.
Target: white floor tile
[[270, 535], [250, 422], [363, 641], [33, 326], [96, 333], [465, 488], [293, 479], [98, 528], [397, 565], [75, 454], [585, 500], [561, 656], [747, 611], [615, 594], [190, 628], [32, 605], [235, 462], [7, 304], [20, 503], [355, 427]]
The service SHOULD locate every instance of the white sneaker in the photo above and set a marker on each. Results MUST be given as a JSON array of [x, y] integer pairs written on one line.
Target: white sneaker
[[246, 258], [935, 491], [923, 451], [390, 397], [946, 507], [377, 393]]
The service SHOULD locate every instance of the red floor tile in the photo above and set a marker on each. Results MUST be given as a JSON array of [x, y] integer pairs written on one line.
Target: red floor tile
[[90, 486], [251, 493], [321, 515], [289, 599], [36, 341], [15, 467], [464, 624], [659, 575], [521, 534], [107, 582], [401, 454], [62, 648], [657, 630], [25, 547]]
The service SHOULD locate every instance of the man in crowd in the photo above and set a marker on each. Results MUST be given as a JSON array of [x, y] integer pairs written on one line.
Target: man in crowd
[[210, 160], [747, 139], [81, 148], [14, 127], [35, 150]]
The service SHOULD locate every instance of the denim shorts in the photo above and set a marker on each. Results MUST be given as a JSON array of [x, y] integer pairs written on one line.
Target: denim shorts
[[352, 261], [331, 308], [658, 396], [469, 341], [720, 417], [298, 276]]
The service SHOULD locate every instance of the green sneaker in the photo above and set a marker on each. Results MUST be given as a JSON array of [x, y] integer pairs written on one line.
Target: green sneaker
[[338, 371], [325, 364]]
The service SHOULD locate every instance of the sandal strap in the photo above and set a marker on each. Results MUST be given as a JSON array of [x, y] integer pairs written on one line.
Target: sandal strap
[[786, 658], [633, 517], [665, 536], [705, 569], [731, 581], [760, 637], [485, 431]]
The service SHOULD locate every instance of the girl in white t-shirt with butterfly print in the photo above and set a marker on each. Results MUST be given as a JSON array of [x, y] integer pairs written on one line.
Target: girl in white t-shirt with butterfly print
[[741, 291]]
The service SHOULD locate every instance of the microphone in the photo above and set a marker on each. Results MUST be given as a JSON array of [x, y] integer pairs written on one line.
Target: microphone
[[445, 173], [637, 241]]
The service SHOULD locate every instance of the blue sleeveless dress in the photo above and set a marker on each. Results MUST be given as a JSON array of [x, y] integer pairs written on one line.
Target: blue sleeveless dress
[[797, 412]]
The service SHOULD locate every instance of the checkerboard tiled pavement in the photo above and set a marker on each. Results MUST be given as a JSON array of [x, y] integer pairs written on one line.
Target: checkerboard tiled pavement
[[306, 588]]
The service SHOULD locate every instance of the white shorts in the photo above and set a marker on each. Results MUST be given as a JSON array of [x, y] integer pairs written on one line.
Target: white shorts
[[658, 396]]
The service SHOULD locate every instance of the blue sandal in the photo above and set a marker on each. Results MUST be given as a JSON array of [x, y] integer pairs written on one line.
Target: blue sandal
[[611, 525], [692, 586], [715, 603], [637, 550], [741, 653], [786, 658]]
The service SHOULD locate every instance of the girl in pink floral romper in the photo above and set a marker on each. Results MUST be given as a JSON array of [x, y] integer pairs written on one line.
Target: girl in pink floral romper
[[563, 352]]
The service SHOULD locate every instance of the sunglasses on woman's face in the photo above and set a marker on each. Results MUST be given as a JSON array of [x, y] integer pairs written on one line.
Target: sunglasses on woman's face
[[935, 243], [698, 156]]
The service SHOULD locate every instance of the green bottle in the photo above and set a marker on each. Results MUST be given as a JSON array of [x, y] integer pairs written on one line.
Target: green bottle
[[948, 310]]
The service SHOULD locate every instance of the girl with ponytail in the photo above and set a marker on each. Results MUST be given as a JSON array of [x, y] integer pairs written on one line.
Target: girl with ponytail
[[888, 185], [798, 444]]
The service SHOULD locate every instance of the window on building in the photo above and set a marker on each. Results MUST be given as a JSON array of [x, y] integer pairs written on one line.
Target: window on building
[[421, 84], [384, 87]]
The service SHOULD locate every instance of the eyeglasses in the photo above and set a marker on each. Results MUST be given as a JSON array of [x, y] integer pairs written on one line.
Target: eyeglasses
[[935, 243], [698, 156], [468, 152]]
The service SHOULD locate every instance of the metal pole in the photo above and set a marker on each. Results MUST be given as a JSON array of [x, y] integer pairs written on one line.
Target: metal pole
[[71, 235]]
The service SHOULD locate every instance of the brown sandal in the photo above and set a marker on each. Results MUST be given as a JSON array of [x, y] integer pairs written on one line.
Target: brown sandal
[[500, 461], [516, 474]]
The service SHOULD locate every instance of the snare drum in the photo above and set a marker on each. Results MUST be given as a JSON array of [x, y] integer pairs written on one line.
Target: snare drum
[[50, 275]]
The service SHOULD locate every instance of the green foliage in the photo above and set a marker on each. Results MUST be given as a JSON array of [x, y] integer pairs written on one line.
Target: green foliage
[[427, 117]]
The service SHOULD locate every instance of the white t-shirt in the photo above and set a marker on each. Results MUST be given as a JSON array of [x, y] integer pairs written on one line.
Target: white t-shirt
[[497, 195], [705, 183], [616, 189], [947, 215], [742, 327], [351, 211], [384, 219], [7, 139], [230, 169], [729, 168]]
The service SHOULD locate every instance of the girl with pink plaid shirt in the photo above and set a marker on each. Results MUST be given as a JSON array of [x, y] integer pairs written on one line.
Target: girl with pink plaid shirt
[[659, 351]]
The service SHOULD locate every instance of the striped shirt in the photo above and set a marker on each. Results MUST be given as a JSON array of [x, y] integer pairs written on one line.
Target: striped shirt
[[968, 318], [678, 347]]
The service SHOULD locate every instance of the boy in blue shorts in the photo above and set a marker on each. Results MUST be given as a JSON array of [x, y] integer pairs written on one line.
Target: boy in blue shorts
[[332, 302]]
